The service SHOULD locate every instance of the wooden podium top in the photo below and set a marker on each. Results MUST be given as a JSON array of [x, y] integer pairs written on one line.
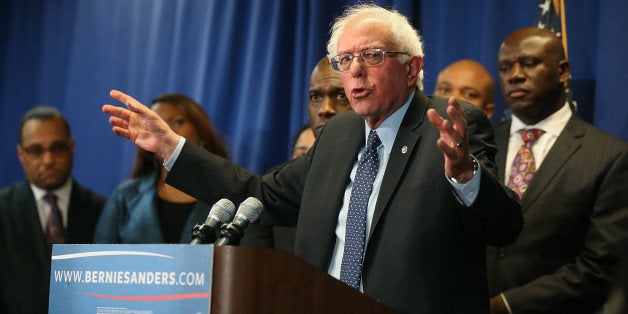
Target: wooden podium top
[[253, 280]]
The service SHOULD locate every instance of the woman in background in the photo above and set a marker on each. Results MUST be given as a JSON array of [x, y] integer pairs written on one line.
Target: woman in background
[[143, 209]]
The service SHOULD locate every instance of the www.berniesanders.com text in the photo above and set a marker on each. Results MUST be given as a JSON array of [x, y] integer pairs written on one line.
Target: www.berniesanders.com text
[[130, 277]]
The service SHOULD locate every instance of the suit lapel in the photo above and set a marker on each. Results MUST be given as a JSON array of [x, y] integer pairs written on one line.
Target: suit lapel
[[350, 138], [563, 149], [502, 135], [29, 224], [405, 143]]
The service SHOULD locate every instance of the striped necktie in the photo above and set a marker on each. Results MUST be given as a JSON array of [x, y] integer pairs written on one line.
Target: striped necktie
[[55, 232]]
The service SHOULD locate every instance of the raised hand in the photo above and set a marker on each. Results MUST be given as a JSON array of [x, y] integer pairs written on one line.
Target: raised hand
[[141, 125], [453, 141]]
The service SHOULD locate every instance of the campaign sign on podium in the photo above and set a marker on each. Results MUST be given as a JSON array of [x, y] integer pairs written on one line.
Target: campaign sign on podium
[[130, 278]]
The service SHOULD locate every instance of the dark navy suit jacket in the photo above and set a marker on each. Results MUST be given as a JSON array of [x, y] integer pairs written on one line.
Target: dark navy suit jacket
[[576, 224], [426, 251], [25, 263]]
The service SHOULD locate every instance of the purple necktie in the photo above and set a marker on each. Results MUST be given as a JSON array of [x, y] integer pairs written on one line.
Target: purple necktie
[[524, 166], [355, 236], [54, 226]]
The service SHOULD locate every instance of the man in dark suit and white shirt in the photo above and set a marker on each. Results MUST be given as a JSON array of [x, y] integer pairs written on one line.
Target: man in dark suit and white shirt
[[326, 98], [48, 207], [572, 180], [403, 216]]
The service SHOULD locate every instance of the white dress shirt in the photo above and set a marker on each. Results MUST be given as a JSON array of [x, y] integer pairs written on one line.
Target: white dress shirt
[[552, 125], [63, 201]]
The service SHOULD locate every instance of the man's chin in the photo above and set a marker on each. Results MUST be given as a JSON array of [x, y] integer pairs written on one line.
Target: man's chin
[[50, 184], [49, 187], [519, 104]]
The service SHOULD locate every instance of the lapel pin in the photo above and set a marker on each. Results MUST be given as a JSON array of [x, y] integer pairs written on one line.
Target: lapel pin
[[404, 149]]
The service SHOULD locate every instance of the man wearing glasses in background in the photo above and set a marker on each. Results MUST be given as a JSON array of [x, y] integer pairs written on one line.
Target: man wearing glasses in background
[[393, 205], [48, 207]]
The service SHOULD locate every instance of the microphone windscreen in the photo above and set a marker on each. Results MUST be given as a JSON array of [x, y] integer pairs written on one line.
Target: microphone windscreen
[[222, 211], [250, 209]]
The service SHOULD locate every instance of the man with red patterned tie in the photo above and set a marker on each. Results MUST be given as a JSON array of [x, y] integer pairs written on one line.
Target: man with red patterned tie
[[571, 178], [48, 207]]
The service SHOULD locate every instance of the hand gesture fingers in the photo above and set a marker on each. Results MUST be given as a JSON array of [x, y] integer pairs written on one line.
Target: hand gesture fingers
[[140, 124], [453, 141]]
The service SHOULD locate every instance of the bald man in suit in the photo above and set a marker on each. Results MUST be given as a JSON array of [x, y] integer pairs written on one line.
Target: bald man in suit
[[326, 98], [575, 206], [468, 80]]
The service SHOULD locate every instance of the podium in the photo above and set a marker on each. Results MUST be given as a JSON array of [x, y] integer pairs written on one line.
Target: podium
[[179, 278], [251, 280]]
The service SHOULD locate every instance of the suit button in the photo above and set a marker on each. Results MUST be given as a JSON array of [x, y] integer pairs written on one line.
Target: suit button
[[501, 253]]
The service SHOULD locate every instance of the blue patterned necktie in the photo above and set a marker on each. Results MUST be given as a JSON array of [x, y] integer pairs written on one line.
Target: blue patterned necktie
[[355, 236], [54, 226]]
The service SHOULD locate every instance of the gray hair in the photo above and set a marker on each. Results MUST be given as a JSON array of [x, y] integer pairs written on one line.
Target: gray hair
[[404, 35]]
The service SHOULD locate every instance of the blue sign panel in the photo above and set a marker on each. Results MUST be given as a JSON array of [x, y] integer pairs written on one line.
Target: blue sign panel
[[130, 278]]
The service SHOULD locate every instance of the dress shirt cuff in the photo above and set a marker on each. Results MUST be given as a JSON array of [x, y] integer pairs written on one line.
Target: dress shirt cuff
[[505, 302], [467, 192], [170, 162]]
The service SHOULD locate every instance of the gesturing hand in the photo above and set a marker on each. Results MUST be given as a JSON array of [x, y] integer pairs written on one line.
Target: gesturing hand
[[141, 125], [453, 141]]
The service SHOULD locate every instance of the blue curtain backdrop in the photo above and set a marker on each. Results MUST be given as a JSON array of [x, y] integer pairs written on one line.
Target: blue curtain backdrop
[[248, 63]]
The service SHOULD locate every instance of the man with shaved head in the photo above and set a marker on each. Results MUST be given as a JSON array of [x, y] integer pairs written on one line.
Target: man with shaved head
[[468, 80], [326, 98], [571, 178]]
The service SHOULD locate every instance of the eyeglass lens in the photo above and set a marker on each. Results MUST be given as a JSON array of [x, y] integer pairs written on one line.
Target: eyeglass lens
[[38, 150], [370, 57]]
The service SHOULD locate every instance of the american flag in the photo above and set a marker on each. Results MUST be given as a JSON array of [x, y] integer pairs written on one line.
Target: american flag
[[549, 16]]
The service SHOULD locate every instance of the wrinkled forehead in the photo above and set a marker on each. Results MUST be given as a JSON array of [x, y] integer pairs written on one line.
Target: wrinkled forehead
[[363, 32]]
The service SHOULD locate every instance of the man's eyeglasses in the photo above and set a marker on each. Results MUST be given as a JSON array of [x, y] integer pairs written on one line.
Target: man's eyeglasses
[[37, 151], [369, 57]]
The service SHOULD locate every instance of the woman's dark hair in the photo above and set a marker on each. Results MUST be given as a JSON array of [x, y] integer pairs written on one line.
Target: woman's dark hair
[[146, 163], [296, 137]]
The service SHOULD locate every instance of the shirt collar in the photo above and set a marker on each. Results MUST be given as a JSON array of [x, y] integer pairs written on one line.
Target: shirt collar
[[63, 193], [387, 131], [554, 124]]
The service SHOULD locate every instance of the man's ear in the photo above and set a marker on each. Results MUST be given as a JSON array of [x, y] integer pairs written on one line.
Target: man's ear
[[415, 65], [564, 70]]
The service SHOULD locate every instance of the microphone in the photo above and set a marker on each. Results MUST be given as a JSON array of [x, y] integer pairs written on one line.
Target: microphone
[[219, 214], [248, 211]]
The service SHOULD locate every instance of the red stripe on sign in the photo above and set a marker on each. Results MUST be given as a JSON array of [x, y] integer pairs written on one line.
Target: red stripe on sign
[[151, 297]]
